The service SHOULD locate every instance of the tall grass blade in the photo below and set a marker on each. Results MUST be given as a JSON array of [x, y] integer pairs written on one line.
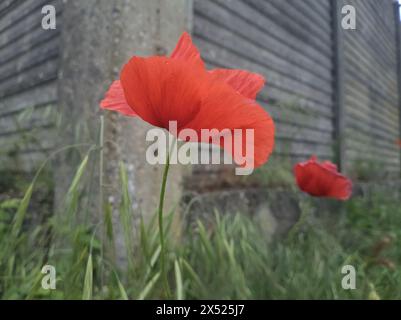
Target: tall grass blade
[[21, 212], [123, 293], [108, 222], [125, 214], [73, 192], [144, 239], [178, 281], [192, 273], [78, 175], [88, 282], [148, 288], [153, 261], [205, 240]]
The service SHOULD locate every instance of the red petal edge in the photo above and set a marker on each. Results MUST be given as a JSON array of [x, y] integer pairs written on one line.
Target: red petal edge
[[246, 83], [115, 100], [322, 180], [187, 51]]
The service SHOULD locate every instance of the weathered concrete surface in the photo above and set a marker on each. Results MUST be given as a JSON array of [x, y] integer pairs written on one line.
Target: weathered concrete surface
[[275, 211], [98, 37]]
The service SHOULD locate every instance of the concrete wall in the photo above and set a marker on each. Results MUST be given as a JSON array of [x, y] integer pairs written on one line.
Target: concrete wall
[[98, 37], [70, 69]]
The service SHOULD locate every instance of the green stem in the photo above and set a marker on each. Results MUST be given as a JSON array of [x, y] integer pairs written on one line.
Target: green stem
[[161, 228], [101, 166]]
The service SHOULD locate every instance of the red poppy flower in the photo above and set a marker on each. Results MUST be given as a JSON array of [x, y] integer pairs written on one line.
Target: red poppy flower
[[399, 142], [322, 179], [160, 89]]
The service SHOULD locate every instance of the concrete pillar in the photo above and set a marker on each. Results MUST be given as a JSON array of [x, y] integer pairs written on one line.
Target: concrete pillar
[[98, 37]]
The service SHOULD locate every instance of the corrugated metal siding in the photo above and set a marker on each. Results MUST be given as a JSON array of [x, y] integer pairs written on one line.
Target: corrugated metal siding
[[290, 43], [371, 94], [29, 59]]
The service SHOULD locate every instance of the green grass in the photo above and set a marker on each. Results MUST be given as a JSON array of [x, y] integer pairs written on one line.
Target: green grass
[[230, 259]]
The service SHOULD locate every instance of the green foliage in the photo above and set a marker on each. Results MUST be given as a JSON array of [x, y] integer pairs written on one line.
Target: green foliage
[[29, 125], [276, 174], [367, 170], [7, 210], [231, 258], [88, 282]]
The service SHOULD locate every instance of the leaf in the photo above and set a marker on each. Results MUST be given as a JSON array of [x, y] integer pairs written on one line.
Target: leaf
[[73, 192], [20, 215], [126, 214], [192, 273], [88, 282], [78, 175], [108, 222], [205, 241], [178, 281], [148, 288], [153, 260], [123, 293]]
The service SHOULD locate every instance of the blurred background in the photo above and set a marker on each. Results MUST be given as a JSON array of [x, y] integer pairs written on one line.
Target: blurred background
[[76, 191]]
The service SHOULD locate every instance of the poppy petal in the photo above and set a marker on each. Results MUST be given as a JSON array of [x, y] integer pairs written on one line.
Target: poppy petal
[[329, 165], [164, 89], [223, 109], [187, 51], [341, 188], [246, 83], [115, 100], [322, 180], [161, 89]]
